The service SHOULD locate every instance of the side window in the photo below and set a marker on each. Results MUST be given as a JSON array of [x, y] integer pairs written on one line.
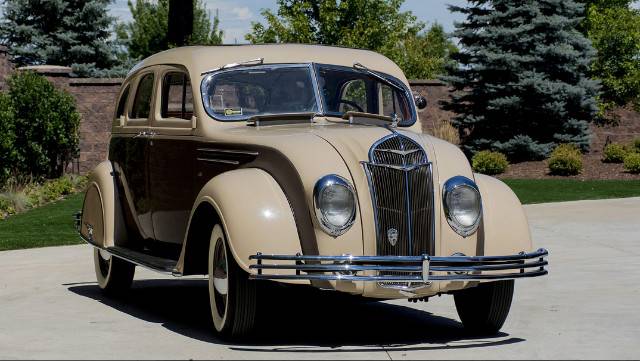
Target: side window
[[142, 101], [177, 99], [122, 102], [354, 96]]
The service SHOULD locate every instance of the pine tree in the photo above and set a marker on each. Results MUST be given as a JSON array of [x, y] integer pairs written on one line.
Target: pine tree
[[74, 33], [523, 86]]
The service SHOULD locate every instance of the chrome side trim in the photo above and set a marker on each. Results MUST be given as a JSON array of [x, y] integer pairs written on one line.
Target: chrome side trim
[[229, 151], [213, 160]]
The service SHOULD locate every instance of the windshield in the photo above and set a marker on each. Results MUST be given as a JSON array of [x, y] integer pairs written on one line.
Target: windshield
[[242, 93], [346, 89], [238, 94]]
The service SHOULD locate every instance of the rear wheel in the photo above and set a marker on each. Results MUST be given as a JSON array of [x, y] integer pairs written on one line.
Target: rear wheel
[[484, 308], [232, 295], [114, 275]]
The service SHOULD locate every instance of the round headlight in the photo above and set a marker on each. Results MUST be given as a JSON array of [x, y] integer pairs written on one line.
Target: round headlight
[[462, 205], [335, 204]]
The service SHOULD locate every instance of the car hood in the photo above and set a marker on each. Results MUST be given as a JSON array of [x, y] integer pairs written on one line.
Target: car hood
[[352, 142]]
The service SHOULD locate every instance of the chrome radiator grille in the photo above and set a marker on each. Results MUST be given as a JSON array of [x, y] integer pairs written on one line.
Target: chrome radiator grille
[[401, 185]]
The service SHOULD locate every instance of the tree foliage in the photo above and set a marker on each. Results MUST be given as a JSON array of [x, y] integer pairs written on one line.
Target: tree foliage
[[41, 125], [74, 33], [377, 25], [523, 86], [7, 137], [147, 33], [614, 29]]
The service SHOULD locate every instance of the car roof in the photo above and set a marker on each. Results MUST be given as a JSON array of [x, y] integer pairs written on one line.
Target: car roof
[[199, 59]]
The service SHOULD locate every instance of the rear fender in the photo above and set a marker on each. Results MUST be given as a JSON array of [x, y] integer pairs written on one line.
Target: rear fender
[[102, 220]]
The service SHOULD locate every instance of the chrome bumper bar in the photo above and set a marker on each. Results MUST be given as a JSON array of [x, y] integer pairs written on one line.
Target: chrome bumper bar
[[406, 268]]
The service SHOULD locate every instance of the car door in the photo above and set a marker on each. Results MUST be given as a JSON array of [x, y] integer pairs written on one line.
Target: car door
[[171, 160], [129, 154]]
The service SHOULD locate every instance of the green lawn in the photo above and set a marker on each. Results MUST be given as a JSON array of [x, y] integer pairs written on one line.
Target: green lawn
[[558, 190], [50, 225]]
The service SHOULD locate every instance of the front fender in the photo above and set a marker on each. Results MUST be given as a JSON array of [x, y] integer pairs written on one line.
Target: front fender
[[254, 213], [504, 229]]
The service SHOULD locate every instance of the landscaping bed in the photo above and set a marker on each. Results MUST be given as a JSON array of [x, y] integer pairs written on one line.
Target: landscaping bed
[[593, 169]]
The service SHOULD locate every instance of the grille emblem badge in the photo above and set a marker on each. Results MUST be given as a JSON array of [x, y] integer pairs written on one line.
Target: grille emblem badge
[[392, 236]]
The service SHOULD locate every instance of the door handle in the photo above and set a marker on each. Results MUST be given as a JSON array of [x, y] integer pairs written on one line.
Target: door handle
[[140, 134]]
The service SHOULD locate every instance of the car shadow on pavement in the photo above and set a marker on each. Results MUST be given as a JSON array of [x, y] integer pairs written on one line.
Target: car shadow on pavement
[[304, 317]]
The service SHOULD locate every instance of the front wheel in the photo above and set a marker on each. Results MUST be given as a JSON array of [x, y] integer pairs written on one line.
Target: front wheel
[[232, 295], [114, 275], [484, 308]]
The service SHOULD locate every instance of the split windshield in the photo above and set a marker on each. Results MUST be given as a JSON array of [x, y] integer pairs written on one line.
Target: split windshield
[[238, 94]]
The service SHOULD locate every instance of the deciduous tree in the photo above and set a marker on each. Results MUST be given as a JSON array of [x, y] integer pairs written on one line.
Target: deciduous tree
[[148, 34], [377, 25]]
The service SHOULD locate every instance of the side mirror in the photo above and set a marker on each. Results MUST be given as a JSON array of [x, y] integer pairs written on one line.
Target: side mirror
[[420, 101]]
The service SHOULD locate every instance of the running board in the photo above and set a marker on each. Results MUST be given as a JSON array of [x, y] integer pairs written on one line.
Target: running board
[[158, 264]]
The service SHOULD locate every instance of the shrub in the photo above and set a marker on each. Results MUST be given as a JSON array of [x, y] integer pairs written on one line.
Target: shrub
[[7, 138], [632, 162], [614, 153], [45, 126], [565, 160], [488, 162], [636, 145], [55, 189], [6, 207], [79, 182], [445, 131]]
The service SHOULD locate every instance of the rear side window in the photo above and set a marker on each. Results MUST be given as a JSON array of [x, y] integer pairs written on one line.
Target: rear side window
[[122, 102], [142, 101], [177, 99]]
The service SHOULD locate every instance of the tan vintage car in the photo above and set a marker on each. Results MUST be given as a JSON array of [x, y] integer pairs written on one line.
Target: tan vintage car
[[302, 165]]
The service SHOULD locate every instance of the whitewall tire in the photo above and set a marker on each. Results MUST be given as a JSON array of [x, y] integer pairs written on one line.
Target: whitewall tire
[[232, 295], [114, 275]]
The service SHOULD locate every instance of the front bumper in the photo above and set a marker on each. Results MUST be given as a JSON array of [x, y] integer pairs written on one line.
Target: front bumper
[[382, 269]]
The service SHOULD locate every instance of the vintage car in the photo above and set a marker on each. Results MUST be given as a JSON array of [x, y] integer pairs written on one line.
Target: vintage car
[[302, 165]]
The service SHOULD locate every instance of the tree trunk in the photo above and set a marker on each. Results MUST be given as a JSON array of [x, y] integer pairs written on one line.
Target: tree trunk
[[180, 22]]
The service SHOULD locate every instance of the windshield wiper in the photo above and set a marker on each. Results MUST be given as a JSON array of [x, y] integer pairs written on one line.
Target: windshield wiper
[[381, 78], [257, 61]]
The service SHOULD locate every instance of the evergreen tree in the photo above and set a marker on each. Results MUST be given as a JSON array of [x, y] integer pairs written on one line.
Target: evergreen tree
[[523, 86], [377, 25], [74, 33], [147, 34]]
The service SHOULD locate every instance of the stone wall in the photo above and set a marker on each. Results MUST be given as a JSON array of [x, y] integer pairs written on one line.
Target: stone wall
[[435, 92]]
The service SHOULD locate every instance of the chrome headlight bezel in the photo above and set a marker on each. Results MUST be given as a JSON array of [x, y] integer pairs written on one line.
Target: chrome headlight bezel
[[452, 185], [332, 180]]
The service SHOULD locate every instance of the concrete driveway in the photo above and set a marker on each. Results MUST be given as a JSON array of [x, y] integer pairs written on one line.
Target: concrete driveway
[[588, 307]]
